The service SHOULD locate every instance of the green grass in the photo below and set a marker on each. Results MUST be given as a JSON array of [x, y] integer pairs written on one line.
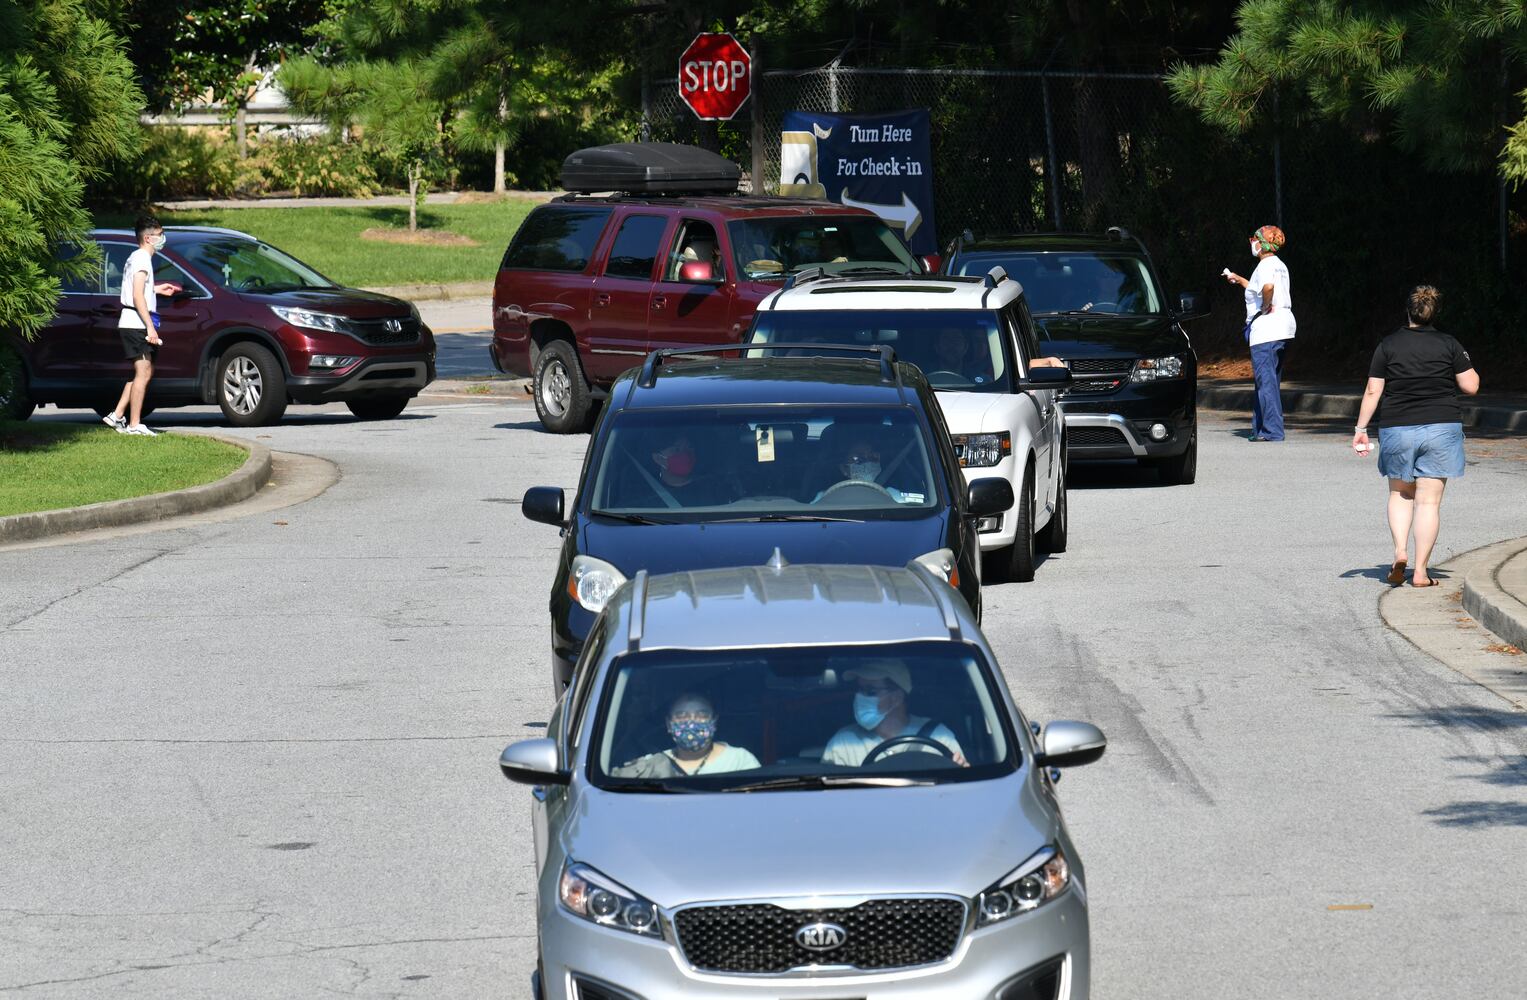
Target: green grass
[[329, 238], [46, 466]]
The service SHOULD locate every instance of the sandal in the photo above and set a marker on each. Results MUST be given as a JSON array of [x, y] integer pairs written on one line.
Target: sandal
[[1428, 583], [1396, 573]]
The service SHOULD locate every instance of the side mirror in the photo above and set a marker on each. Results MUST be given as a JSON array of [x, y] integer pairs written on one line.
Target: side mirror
[[1071, 744], [1191, 306], [532, 762], [990, 497], [697, 271], [544, 504], [1045, 378]]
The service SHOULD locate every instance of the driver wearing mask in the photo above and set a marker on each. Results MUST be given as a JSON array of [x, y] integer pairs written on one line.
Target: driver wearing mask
[[880, 714], [861, 464]]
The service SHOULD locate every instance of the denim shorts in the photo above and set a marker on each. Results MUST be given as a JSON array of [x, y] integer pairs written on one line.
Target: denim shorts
[[1432, 451]]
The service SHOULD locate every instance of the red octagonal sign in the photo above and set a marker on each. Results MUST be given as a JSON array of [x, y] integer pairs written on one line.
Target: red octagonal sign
[[715, 76]]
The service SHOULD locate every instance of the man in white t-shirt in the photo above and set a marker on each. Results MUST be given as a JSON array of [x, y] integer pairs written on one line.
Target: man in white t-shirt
[[1269, 327], [138, 324], [880, 714]]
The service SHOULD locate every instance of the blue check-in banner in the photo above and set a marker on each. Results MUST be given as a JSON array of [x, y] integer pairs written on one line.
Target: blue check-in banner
[[882, 162]]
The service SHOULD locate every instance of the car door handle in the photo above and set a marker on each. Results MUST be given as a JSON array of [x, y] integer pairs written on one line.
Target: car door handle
[[659, 301], [602, 299]]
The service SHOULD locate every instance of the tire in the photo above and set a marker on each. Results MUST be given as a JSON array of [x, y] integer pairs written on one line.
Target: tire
[[562, 397], [251, 390], [1056, 535], [15, 398], [1015, 564], [1181, 470], [377, 407]]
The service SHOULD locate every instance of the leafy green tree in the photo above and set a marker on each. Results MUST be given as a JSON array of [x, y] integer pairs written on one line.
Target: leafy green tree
[[68, 104]]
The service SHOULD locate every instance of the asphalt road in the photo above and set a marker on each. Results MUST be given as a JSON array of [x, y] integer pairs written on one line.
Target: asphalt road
[[257, 758]]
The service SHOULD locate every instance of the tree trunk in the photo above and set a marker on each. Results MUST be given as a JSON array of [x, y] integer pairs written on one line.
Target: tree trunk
[[413, 197], [498, 169], [240, 129]]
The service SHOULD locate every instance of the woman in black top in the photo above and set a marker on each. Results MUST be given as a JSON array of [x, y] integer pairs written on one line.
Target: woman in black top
[[1419, 373]]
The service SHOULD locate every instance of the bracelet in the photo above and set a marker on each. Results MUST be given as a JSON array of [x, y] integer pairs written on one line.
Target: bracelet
[[1359, 430]]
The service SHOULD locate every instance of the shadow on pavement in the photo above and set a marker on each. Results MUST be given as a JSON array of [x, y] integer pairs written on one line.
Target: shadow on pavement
[[1126, 475], [1381, 572], [521, 425], [1502, 772]]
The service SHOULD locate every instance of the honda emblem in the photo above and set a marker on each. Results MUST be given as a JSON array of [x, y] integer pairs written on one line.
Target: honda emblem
[[393, 326]]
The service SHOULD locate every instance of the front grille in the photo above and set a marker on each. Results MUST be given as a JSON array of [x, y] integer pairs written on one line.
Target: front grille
[[1100, 366], [375, 332], [1095, 437], [878, 934], [1093, 386]]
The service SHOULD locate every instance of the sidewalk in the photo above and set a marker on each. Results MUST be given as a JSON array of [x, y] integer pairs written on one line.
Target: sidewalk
[[433, 198], [1495, 591], [1487, 411]]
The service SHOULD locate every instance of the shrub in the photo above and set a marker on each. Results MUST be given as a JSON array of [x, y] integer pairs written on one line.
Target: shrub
[[307, 167], [173, 163]]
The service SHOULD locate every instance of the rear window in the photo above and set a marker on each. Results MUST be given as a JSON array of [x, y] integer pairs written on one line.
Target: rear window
[[557, 239]]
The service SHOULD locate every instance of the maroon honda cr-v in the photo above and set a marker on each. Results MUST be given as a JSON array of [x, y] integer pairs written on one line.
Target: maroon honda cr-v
[[251, 329]]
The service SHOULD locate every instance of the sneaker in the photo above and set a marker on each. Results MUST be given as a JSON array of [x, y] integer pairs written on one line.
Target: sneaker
[[114, 422], [140, 430]]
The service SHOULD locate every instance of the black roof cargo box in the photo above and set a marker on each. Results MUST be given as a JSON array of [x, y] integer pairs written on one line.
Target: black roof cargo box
[[649, 168]]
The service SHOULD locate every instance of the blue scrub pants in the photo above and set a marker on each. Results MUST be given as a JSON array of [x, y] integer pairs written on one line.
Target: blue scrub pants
[[1267, 408]]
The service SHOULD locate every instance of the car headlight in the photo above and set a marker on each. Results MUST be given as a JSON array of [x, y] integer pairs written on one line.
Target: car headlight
[[312, 320], [603, 901], [942, 562], [1154, 369], [592, 581], [979, 451], [1029, 886]]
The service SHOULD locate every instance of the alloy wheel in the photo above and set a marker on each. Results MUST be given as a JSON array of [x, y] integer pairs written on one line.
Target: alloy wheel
[[556, 388], [242, 386]]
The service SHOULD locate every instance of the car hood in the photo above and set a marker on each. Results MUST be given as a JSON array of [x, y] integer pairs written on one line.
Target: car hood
[[350, 302], [967, 412], [671, 548], [1088, 337], [675, 849]]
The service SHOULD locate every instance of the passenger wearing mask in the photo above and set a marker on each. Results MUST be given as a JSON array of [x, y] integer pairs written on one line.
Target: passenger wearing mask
[[691, 725], [880, 714], [680, 481]]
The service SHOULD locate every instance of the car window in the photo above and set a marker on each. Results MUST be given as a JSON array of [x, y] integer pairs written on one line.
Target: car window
[[247, 265], [959, 350], [1056, 282], [767, 249], [759, 462], [636, 247], [115, 255], [795, 715], [167, 270], [696, 242], [557, 239], [78, 277], [582, 682], [1023, 328]]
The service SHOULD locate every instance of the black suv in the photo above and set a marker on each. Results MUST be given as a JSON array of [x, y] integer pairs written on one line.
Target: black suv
[[701, 463], [1098, 304]]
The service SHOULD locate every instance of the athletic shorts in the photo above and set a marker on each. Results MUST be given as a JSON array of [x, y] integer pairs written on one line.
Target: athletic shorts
[[1431, 451], [135, 344]]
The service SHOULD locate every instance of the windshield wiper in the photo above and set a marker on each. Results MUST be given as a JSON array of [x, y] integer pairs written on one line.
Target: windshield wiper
[[873, 269], [786, 517], [666, 787], [631, 518], [829, 781]]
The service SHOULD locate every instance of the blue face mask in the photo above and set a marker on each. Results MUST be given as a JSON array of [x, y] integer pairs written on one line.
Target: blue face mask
[[867, 710], [692, 735], [864, 472]]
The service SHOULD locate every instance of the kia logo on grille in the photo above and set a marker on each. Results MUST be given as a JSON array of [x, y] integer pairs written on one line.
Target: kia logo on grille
[[393, 326], [821, 936]]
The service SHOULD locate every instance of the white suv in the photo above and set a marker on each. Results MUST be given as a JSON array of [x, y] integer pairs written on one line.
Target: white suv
[[973, 338]]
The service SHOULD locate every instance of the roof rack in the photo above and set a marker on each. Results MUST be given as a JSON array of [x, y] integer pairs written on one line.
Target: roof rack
[[888, 373], [996, 276], [802, 276], [649, 168], [1119, 233]]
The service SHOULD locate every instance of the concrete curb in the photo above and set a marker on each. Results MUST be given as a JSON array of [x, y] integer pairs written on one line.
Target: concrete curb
[[241, 484], [423, 293], [1490, 588], [1328, 404]]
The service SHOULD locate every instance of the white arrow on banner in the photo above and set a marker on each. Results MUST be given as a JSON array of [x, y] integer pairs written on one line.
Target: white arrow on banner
[[905, 216]]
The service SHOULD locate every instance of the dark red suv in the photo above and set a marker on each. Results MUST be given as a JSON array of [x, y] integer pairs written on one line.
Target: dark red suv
[[251, 329], [591, 284]]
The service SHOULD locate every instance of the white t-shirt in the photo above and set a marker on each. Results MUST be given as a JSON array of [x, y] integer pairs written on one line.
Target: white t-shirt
[[851, 744], [139, 260], [1278, 324]]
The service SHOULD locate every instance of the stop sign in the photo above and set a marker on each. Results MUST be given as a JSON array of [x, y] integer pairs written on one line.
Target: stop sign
[[715, 76]]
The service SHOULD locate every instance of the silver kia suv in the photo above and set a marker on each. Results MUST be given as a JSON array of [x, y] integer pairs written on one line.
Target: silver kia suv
[[801, 782]]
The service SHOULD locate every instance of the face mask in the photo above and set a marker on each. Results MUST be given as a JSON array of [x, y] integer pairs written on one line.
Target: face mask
[[865, 472], [867, 710], [679, 463], [1256, 249], [157, 242], [692, 735]]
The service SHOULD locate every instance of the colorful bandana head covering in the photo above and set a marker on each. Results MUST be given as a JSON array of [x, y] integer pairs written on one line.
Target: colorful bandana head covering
[[1271, 238]]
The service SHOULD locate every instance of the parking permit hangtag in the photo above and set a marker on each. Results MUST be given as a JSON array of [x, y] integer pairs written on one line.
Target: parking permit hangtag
[[764, 438]]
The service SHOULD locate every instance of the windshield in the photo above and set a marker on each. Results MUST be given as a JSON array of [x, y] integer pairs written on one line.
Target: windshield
[[775, 719], [772, 248], [958, 350], [247, 266], [1115, 284], [767, 462]]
